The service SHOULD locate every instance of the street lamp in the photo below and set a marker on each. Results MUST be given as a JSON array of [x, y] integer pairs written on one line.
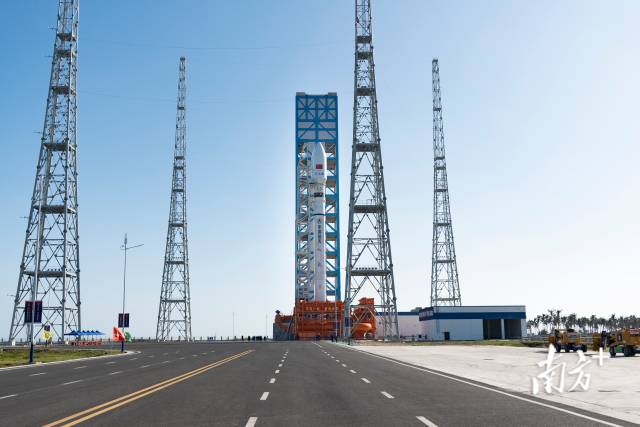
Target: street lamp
[[36, 270], [125, 248]]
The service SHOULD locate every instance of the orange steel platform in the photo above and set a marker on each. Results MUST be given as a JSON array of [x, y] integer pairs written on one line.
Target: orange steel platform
[[317, 320], [324, 320]]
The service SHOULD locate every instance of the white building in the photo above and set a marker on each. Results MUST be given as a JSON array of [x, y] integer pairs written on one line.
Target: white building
[[473, 322], [408, 325]]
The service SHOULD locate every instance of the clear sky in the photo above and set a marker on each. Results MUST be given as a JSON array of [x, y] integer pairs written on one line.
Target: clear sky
[[540, 104]]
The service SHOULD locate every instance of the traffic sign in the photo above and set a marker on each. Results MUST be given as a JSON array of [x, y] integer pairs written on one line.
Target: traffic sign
[[123, 320], [29, 312]]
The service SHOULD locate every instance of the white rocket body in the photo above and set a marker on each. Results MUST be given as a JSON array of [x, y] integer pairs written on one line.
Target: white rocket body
[[317, 230]]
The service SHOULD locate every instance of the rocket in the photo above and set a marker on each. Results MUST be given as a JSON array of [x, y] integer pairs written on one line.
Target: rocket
[[317, 231]]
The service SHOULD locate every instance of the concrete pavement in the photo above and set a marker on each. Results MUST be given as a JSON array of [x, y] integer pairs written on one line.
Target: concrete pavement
[[614, 387]]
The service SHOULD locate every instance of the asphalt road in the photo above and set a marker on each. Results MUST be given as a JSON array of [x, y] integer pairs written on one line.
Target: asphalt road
[[263, 384]]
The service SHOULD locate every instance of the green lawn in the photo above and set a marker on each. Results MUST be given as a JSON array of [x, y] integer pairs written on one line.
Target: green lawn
[[20, 356]]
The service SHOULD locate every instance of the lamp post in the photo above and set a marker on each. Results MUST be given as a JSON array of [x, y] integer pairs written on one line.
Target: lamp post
[[36, 270], [125, 248]]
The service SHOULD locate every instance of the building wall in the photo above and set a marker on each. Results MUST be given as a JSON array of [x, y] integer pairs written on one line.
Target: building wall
[[408, 325], [459, 329], [473, 322]]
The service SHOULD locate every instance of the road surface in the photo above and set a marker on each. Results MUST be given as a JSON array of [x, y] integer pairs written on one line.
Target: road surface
[[263, 384]]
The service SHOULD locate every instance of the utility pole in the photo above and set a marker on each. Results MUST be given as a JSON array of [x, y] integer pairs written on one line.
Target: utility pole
[[445, 289], [125, 248], [34, 288], [369, 263], [174, 312], [50, 266]]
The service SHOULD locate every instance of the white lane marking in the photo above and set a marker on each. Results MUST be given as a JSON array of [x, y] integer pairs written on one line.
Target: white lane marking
[[8, 396], [251, 422], [150, 356], [110, 363], [387, 395], [80, 367], [214, 351], [504, 393], [344, 366], [194, 355], [204, 353], [115, 373], [145, 366], [352, 371], [425, 421], [166, 361], [72, 382], [366, 380], [337, 361], [135, 358], [39, 373], [181, 358], [272, 380], [333, 357], [277, 371], [279, 365], [264, 395]]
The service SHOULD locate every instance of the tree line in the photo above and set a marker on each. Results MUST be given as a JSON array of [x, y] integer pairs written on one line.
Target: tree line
[[542, 324]]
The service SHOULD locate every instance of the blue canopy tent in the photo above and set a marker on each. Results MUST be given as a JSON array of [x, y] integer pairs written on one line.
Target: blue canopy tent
[[83, 333]]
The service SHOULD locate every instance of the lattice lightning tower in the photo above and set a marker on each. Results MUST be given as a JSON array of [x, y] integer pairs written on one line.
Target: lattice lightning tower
[[174, 314], [50, 258], [369, 264], [445, 289]]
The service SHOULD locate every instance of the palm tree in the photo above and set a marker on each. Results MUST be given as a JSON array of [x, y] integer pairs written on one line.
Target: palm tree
[[612, 323], [571, 320]]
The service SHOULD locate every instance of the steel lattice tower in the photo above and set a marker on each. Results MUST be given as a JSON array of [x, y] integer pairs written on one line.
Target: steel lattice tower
[[445, 289], [317, 120], [369, 264], [174, 313], [50, 258]]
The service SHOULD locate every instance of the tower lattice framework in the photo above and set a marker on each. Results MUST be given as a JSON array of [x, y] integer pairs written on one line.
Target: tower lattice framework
[[50, 257], [174, 314], [445, 289], [369, 264], [317, 120]]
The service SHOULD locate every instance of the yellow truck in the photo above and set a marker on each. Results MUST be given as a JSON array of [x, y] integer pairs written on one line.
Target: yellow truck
[[625, 341], [567, 340]]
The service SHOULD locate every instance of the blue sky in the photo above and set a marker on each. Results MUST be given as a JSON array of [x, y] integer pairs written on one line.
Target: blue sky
[[540, 115]]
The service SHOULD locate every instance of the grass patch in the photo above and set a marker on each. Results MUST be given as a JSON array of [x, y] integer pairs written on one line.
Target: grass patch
[[506, 343], [20, 356]]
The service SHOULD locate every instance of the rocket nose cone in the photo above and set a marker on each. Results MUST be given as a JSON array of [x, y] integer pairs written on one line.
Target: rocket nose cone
[[318, 154]]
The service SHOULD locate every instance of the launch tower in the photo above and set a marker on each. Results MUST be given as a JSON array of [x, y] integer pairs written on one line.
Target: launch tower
[[316, 123]]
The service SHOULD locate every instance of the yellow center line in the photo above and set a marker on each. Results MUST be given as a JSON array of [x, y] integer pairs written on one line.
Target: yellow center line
[[115, 403]]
